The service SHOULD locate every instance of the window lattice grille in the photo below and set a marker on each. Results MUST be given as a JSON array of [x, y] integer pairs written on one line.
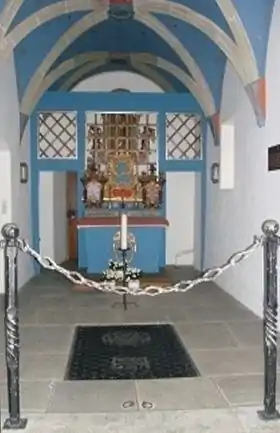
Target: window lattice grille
[[57, 135], [183, 136], [132, 132]]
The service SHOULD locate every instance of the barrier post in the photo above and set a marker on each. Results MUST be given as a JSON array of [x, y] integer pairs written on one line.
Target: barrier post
[[270, 229], [10, 233]]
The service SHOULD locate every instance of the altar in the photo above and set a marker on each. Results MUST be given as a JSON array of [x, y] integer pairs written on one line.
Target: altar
[[96, 242], [122, 178]]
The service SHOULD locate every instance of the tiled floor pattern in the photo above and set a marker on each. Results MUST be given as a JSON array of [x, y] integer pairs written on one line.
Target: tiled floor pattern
[[224, 339]]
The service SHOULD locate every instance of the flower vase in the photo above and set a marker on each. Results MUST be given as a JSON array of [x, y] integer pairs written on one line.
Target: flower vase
[[134, 285], [111, 284]]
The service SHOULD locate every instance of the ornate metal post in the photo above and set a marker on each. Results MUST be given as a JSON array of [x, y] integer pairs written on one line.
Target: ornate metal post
[[270, 229], [124, 282], [10, 233]]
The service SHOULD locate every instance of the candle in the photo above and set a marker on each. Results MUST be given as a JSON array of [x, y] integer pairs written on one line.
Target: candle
[[123, 231], [157, 171]]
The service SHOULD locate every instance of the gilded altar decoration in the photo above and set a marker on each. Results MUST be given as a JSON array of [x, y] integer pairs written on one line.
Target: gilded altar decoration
[[152, 187], [123, 183], [122, 150], [93, 182]]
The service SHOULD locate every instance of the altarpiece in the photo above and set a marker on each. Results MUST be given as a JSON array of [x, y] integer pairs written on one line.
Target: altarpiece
[[122, 162]]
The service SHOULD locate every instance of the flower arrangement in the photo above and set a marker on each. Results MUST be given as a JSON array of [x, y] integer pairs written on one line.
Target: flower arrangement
[[115, 272]]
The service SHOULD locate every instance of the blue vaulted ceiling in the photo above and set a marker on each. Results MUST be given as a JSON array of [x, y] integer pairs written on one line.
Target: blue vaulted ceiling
[[112, 36], [175, 35]]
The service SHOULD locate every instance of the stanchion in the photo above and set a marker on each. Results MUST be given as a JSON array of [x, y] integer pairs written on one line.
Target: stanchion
[[124, 282], [271, 242], [10, 233]]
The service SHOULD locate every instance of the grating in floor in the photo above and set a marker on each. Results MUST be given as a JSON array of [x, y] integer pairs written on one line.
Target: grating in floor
[[128, 352]]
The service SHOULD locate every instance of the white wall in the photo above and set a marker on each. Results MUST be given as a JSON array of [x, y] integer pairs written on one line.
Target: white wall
[[234, 216], [23, 206], [60, 217], [5, 201], [52, 212], [14, 201], [109, 81], [197, 222], [180, 213]]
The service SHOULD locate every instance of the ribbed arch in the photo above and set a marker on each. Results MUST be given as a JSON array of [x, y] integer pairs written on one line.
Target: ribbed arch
[[236, 51], [77, 29], [85, 71]]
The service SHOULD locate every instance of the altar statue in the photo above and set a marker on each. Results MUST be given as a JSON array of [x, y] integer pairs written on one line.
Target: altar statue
[[93, 190]]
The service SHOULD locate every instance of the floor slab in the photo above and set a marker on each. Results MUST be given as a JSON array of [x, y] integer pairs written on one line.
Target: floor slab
[[93, 396], [46, 339], [244, 389], [210, 421], [229, 361], [183, 394], [34, 395], [247, 333], [253, 424], [206, 335]]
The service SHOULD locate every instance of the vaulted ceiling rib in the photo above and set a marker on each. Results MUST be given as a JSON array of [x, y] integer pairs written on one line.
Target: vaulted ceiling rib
[[229, 25]]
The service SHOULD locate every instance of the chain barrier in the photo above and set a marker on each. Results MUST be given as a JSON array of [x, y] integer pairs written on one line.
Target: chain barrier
[[12, 244], [151, 290]]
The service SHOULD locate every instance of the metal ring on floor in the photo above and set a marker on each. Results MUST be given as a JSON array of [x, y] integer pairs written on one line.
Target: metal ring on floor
[[128, 404], [147, 405]]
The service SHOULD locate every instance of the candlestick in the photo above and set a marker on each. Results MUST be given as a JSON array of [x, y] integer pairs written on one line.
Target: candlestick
[[123, 231]]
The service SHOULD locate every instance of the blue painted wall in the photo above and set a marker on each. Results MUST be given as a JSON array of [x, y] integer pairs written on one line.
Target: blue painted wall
[[83, 102]]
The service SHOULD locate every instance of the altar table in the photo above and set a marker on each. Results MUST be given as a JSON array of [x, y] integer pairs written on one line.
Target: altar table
[[95, 242]]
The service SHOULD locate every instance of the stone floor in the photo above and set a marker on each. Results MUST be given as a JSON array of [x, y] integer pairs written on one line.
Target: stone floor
[[223, 338]]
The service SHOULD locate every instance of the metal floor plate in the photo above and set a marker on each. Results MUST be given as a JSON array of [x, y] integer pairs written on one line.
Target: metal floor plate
[[128, 352]]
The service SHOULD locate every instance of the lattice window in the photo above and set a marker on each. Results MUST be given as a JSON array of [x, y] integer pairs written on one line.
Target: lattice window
[[183, 136], [57, 135], [131, 132]]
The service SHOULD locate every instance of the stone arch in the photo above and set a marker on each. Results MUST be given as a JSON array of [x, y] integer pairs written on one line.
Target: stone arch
[[142, 69], [90, 61], [105, 82]]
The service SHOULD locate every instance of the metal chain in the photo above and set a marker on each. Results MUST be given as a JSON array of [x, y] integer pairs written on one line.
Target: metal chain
[[151, 290]]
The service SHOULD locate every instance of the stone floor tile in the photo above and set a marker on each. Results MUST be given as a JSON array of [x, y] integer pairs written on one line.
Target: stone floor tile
[[46, 339], [210, 421], [229, 361], [247, 333], [206, 336], [93, 396], [244, 390], [253, 424], [179, 394], [43, 366], [34, 395]]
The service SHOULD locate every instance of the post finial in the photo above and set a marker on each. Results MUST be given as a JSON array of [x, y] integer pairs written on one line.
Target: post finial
[[10, 231], [270, 227]]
